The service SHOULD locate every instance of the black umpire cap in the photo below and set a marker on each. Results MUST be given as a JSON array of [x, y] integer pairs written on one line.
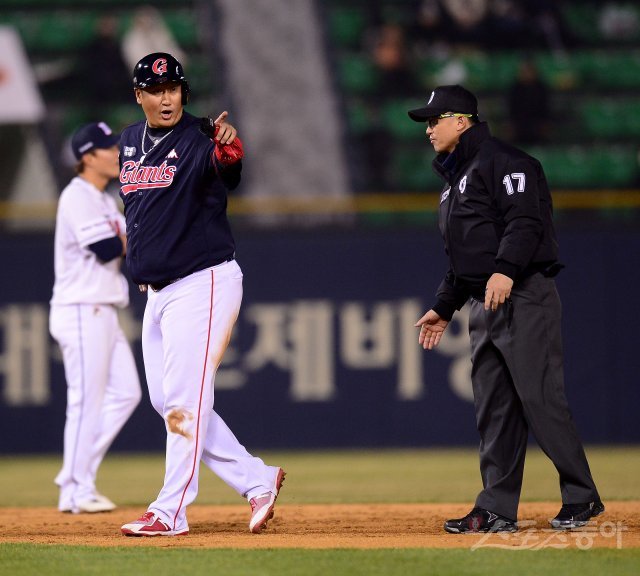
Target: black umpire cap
[[452, 98]]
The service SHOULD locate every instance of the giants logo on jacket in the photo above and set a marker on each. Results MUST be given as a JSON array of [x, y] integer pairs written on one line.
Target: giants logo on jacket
[[134, 177]]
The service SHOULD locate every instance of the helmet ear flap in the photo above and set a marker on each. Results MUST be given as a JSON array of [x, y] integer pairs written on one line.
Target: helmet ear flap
[[185, 93]]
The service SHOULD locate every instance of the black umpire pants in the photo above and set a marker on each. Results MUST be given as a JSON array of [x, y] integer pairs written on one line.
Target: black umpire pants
[[518, 385]]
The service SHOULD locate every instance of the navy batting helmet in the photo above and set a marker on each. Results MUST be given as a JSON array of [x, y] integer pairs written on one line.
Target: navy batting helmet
[[158, 68]]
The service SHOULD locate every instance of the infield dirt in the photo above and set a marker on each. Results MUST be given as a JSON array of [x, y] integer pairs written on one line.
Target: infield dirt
[[326, 526]]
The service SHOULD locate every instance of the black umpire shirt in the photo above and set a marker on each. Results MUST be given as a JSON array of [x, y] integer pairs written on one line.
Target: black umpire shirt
[[495, 216]]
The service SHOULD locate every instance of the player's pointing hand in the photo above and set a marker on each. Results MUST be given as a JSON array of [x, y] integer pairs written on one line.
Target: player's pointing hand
[[226, 133]]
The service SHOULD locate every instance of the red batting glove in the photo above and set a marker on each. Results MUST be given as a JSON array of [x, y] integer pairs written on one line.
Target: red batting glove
[[228, 154]]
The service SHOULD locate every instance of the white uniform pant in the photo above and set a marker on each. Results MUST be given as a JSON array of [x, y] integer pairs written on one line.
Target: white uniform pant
[[103, 390], [186, 329]]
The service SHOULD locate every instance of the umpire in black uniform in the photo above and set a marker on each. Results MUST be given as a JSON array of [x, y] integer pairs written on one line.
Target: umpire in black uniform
[[496, 221]]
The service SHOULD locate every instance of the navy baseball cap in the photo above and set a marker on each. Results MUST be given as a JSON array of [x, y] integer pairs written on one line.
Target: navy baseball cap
[[453, 98], [92, 136]]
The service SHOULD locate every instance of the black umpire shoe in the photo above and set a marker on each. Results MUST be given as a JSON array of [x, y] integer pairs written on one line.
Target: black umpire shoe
[[480, 520], [576, 515]]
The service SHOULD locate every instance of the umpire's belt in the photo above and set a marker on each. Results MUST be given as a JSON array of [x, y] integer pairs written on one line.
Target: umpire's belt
[[157, 286]]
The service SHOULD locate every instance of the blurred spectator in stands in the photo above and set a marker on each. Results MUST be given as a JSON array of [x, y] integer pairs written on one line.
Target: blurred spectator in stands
[[452, 22], [430, 30], [468, 20], [492, 24], [619, 21], [548, 25], [149, 33], [104, 74], [529, 107], [508, 25], [396, 78], [525, 24], [93, 75], [391, 58]]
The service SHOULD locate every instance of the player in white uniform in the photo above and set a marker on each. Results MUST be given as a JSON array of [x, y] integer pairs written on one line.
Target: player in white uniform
[[174, 179], [103, 387]]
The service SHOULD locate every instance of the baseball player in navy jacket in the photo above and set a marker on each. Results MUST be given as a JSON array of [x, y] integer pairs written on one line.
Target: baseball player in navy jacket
[[175, 171], [496, 221]]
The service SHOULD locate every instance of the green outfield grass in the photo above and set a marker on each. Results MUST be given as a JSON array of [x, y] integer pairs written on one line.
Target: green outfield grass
[[384, 476], [329, 476], [31, 560]]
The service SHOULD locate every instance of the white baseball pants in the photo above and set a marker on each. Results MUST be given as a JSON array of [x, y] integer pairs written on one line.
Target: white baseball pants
[[186, 329], [103, 390]]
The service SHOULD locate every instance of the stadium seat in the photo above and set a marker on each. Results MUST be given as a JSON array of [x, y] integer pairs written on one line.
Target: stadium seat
[[183, 24], [357, 74], [585, 20], [394, 118], [561, 72], [608, 70], [360, 116], [202, 75], [346, 26], [53, 31], [119, 117], [478, 71], [74, 117], [44, 4], [611, 118], [491, 72], [616, 167], [592, 167], [411, 169], [582, 19], [564, 168]]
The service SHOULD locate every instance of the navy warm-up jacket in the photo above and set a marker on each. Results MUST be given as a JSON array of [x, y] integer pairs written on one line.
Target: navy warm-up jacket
[[175, 202]]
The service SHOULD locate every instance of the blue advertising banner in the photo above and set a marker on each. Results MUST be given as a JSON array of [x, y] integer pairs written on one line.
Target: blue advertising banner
[[325, 353]]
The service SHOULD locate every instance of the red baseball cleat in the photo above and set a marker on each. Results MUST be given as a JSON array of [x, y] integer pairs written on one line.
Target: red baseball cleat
[[262, 506], [150, 525]]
